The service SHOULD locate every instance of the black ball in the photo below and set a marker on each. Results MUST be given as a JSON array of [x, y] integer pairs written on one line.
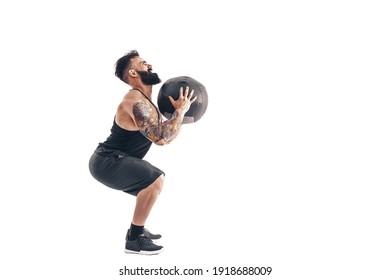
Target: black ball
[[172, 87]]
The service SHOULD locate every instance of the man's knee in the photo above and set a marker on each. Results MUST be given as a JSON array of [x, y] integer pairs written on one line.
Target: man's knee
[[158, 184]]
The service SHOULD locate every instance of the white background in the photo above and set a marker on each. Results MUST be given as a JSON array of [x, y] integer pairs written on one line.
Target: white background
[[288, 168]]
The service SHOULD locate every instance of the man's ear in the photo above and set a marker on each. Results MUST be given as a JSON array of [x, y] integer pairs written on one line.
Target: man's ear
[[132, 73]]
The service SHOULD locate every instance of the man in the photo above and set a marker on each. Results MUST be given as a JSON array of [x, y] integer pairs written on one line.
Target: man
[[118, 162]]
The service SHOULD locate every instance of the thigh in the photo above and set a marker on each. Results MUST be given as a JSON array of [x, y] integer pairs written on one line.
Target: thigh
[[124, 173]]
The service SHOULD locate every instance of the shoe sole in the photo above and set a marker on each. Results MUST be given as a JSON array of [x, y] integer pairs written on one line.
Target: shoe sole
[[144, 252]]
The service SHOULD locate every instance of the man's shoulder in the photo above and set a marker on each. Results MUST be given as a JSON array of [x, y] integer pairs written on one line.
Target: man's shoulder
[[134, 99], [129, 99]]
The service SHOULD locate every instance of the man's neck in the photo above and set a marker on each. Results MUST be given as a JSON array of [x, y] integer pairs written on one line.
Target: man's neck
[[146, 89]]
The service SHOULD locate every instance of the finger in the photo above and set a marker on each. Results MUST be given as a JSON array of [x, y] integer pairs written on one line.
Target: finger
[[186, 93], [181, 92], [193, 99], [171, 99], [191, 93]]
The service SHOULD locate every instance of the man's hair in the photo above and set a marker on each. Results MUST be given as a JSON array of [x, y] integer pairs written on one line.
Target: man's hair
[[123, 64]]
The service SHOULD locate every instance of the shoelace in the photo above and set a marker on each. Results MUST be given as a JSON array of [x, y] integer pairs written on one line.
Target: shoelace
[[143, 240]]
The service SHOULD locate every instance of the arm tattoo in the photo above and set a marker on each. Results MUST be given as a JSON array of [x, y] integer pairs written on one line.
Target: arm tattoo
[[151, 128]]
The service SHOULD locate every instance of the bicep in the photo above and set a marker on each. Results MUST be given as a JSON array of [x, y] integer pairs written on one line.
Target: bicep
[[146, 122]]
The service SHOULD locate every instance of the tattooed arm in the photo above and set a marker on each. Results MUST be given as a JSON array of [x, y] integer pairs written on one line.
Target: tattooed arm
[[162, 133], [157, 132]]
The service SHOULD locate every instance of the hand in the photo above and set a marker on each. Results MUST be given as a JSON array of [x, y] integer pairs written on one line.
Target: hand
[[183, 103]]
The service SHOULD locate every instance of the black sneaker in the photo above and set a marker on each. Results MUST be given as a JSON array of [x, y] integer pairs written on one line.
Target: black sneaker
[[150, 235], [147, 233], [143, 246]]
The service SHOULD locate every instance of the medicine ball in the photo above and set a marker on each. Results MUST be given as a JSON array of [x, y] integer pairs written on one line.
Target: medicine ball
[[172, 88]]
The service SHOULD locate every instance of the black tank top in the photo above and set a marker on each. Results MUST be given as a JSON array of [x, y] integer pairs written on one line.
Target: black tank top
[[132, 143]]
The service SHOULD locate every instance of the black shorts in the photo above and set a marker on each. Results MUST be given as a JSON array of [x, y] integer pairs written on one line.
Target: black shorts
[[119, 171]]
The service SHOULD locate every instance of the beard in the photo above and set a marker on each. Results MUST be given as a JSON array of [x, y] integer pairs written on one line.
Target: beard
[[149, 78]]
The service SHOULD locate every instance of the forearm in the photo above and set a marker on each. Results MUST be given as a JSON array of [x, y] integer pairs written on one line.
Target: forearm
[[171, 127], [165, 132]]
